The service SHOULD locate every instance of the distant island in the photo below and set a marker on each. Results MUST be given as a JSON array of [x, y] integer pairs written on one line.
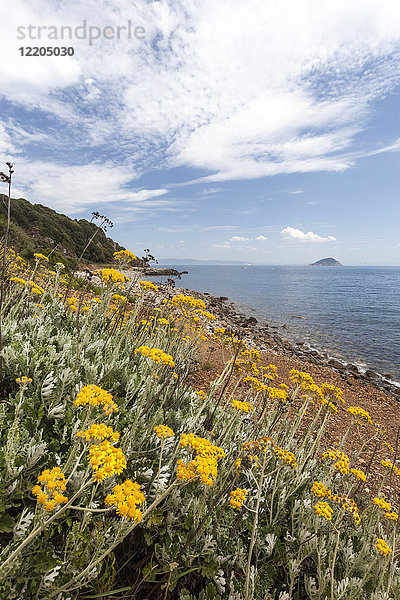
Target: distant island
[[326, 262]]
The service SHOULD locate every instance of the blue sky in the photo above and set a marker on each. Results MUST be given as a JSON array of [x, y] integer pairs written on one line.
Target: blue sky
[[265, 131]]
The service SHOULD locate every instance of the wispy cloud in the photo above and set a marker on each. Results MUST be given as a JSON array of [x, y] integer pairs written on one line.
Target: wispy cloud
[[215, 86], [291, 233], [210, 191], [75, 188]]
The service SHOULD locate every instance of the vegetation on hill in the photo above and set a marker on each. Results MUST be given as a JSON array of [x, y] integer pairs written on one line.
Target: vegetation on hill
[[35, 227], [326, 262]]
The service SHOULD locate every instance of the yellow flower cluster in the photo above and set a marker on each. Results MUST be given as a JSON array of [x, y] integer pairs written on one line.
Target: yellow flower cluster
[[342, 463], [111, 276], [188, 301], [323, 395], [18, 280], [36, 289], [323, 510], [156, 355], [356, 411], [382, 504], [262, 444], [73, 303], [204, 465], [238, 497], [148, 285], [127, 497], [201, 394], [331, 392], [201, 445], [127, 254], [99, 432], [185, 471], [53, 482], [255, 384], [162, 321], [382, 547], [393, 516], [321, 491], [277, 394], [242, 406], [390, 465], [106, 460], [96, 396], [246, 366], [269, 372], [206, 314], [288, 457], [162, 431], [359, 474], [40, 257], [23, 380]]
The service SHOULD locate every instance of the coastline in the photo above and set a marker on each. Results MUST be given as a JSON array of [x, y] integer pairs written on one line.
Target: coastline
[[265, 338]]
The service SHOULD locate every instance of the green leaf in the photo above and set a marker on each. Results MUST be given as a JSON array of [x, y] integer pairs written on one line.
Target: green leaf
[[6, 523]]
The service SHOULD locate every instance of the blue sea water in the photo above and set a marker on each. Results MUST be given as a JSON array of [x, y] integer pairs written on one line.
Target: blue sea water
[[351, 312]]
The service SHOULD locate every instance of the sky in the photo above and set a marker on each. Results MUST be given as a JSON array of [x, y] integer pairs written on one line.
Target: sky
[[265, 131]]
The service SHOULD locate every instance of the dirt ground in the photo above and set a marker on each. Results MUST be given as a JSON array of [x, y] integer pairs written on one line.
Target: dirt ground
[[383, 409]]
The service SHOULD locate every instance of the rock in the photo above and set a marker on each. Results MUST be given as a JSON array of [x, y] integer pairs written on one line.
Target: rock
[[312, 360], [336, 364], [371, 374], [387, 375]]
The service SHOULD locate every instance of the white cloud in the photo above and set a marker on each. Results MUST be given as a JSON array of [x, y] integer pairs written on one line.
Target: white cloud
[[238, 238], [210, 191], [223, 245], [74, 188], [291, 233], [214, 85]]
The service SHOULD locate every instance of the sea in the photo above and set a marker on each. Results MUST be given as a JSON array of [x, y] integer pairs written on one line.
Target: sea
[[353, 313]]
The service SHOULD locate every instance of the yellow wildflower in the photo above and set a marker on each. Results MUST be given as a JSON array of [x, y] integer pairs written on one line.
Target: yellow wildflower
[[323, 510], [148, 285], [356, 411], [126, 498], [40, 257], [96, 396], [127, 254], [99, 432], [238, 497], [23, 380], [156, 355], [242, 406], [382, 547], [392, 516], [382, 504], [162, 431], [54, 483]]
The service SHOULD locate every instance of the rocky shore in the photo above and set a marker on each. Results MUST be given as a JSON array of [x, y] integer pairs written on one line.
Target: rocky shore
[[266, 337]]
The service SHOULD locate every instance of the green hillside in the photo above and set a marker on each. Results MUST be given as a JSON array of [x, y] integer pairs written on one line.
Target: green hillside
[[35, 227]]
